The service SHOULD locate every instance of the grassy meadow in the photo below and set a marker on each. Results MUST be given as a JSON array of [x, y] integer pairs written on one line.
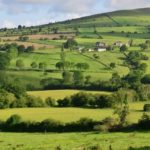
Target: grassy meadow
[[109, 28], [71, 114], [73, 141], [60, 94]]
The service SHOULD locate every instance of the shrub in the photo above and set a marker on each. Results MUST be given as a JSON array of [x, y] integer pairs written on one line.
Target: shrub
[[147, 107], [97, 147], [14, 119], [19, 64], [105, 125], [51, 125], [34, 65], [34, 102], [6, 99], [80, 99], [66, 102], [50, 102], [104, 101], [146, 79], [19, 103]]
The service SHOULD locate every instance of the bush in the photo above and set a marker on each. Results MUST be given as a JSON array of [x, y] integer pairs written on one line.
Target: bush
[[105, 125], [146, 107], [146, 79], [50, 125], [19, 103], [14, 119], [34, 102], [19, 64], [80, 99], [104, 101], [6, 99], [101, 128], [66, 102], [50, 102]]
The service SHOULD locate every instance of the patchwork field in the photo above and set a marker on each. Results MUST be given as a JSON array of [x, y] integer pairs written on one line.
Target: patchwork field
[[47, 39]]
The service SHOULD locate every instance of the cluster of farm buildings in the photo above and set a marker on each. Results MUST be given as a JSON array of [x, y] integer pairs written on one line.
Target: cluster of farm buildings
[[101, 46]]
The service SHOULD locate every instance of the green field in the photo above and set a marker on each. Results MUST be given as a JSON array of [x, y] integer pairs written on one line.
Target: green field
[[72, 141], [60, 94], [109, 28], [70, 114]]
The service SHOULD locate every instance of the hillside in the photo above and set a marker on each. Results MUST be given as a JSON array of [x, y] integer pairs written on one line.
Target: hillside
[[136, 17]]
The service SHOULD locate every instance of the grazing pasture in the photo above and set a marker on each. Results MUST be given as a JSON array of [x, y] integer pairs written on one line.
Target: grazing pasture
[[71, 114], [60, 94], [73, 141]]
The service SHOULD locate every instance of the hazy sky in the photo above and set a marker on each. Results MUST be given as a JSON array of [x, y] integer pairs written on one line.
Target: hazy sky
[[34, 12]]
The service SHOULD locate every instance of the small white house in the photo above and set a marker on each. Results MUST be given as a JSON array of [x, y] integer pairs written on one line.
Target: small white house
[[91, 50], [100, 44], [101, 49], [118, 43]]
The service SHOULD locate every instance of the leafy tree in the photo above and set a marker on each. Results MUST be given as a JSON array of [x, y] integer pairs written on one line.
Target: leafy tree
[[12, 52], [78, 78], [82, 66], [42, 66], [67, 77], [14, 119], [19, 27], [34, 65], [88, 79], [122, 107], [4, 61], [95, 56], [59, 65], [66, 102], [19, 64], [80, 99], [116, 80], [6, 99], [123, 48], [70, 44], [144, 46], [112, 65], [50, 102], [55, 30], [30, 49], [21, 49]]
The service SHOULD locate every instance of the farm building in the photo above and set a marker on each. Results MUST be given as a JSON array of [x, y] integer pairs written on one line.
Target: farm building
[[90, 50], [100, 44], [100, 47], [118, 43]]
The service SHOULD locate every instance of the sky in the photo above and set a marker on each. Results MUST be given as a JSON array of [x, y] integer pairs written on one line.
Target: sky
[[36, 12]]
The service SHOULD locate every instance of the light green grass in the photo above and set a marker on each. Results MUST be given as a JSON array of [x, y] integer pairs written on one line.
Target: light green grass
[[70, 114], [60, 94], [72, 141]]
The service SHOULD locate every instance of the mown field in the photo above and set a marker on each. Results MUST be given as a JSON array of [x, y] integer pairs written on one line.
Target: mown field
[[73, 141]]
